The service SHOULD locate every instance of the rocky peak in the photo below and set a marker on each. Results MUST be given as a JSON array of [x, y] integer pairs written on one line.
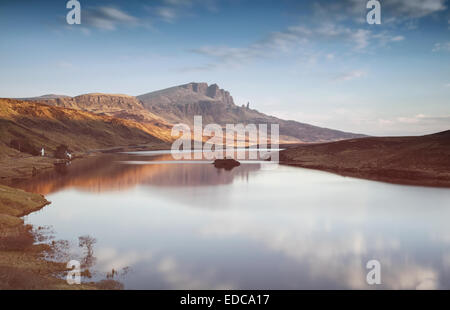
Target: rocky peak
[[200, 88], [212, 91], [106, 102]]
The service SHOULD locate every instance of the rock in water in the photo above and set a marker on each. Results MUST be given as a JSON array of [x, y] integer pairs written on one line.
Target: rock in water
[[226, 164]]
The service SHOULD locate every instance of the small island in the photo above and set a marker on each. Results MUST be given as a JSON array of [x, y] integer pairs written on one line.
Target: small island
[[226, 164]]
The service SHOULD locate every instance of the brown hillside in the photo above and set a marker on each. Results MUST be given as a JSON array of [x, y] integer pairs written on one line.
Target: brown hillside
[[47, 126], [423, 160], [119, 106]]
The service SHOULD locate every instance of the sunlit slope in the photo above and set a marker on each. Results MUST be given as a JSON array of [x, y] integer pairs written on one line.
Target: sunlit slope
[[117, 105], [47, 126]]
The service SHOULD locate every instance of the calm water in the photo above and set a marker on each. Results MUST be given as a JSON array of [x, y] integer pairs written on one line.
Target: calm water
[[171, 225]]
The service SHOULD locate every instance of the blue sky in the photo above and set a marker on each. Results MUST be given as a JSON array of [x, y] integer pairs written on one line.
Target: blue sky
[[317, 62]]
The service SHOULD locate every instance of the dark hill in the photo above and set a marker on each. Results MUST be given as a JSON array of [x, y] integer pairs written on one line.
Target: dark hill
[[423, 160]]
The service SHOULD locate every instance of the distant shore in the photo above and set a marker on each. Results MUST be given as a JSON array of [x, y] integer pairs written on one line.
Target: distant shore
[[423, 161], [24, 167]]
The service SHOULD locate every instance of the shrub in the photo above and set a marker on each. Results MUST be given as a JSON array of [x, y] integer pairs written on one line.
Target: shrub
[[61, 151]]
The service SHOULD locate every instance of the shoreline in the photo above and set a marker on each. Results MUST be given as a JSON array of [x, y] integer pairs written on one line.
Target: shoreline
[[22, 261], [417, 161], [385, 176], [20, 168]]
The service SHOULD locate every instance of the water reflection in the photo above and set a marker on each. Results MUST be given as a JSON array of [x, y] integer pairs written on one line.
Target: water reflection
[[122, 172], [191, 226]]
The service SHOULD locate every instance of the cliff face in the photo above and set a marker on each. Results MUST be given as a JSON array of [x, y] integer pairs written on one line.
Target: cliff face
[[96, 103], [159, 110], [104, 103], [213, 91], [187, 94], [181, 103]]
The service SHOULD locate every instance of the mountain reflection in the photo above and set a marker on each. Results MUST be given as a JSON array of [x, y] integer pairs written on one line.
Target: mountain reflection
[[120, 172], [286, 228]]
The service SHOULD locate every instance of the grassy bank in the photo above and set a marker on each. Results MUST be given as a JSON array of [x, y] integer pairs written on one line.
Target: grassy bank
[[22, 261]]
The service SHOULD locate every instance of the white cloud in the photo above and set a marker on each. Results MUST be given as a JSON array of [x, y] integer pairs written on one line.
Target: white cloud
[[178, 2], [442, 47], [370, 122], [416, 8], [301, 40], [65, 65], [166, 13], [414, 124], [419, 118], [171, 10], [350, 76], [394, 10], [384, 38], [397, 38], [108, 18], [361, 37]]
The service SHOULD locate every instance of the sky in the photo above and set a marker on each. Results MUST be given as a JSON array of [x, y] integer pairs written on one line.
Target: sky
[[317, 62]]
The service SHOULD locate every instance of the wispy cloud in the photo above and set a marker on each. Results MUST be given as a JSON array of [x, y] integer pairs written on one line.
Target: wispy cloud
[[108, 18], [208, 4], [415, 124], [171, 10], [301, 40], [368, 122], [65, 65], [206, 67], [356, 74], [424, 119], [385, 38], [394, 11], [166, 13], [111, 17], [415, 8], [438, 47], [361, 38]]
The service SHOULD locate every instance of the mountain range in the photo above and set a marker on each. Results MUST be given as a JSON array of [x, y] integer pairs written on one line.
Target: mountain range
[[95, 120], [160, 110], [103, 121]]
